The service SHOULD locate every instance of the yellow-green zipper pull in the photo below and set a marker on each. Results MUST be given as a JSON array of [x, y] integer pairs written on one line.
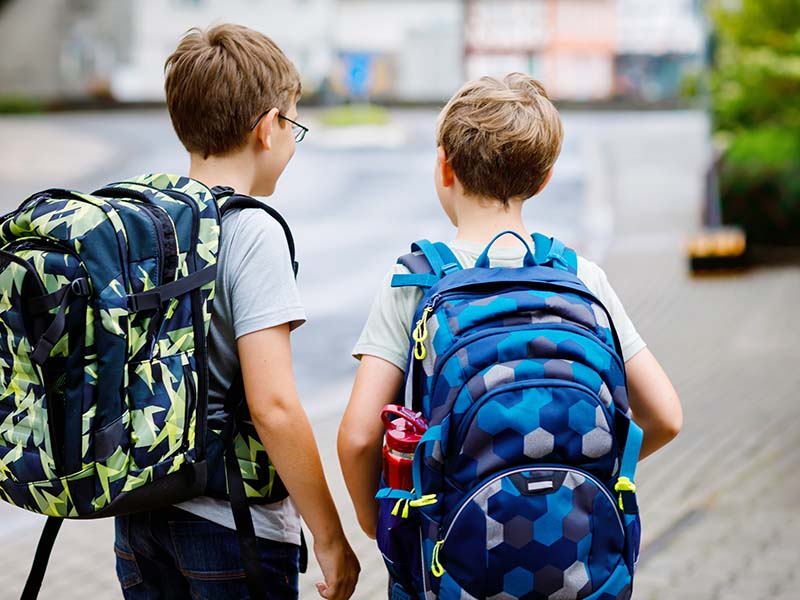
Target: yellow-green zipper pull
[[420, 334], [436, 566]]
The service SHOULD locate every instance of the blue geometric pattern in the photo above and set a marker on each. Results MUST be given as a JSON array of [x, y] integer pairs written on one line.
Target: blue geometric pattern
[[522, 382], [542, 531]]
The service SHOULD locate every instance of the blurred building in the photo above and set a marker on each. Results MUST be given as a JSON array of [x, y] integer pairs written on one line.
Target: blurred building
[[412, 49], [77, 49], [61, 48], [587, 49], [300, 27], [393, 50], [657, 43]]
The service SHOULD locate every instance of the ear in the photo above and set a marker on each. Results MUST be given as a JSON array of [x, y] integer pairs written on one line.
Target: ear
[[546, 180], [448, 175], [263, 130]]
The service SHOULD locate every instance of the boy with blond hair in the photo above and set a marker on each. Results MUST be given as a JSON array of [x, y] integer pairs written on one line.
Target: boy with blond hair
[[232, 95], [498, 141]]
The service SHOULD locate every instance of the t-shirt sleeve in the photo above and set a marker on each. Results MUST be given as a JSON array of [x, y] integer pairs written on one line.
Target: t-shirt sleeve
[[387, 332], [261, 282], [597, 281]]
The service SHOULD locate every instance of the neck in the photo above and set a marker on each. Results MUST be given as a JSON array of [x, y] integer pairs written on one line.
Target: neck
[[480, 220], [228, 170]]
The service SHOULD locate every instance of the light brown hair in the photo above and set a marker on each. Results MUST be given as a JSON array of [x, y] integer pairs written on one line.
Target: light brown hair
[[219, 80], [501, 137]]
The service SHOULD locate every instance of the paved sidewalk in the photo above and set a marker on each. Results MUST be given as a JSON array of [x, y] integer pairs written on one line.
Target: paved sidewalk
[[720, 510]]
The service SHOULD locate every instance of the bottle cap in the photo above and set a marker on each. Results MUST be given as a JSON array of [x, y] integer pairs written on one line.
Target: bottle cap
[[405, 430]]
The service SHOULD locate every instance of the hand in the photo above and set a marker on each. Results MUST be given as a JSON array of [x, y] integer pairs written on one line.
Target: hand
[[340, 569]]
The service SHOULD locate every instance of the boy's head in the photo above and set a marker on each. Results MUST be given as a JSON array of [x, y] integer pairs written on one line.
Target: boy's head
[[499, 138], [226, 87]]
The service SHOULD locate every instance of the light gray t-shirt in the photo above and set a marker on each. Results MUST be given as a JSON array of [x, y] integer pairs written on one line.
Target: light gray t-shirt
[[388, 328], [255, 290]]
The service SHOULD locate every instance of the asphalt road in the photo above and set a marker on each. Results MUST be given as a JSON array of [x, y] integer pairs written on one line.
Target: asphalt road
[[355, 198]]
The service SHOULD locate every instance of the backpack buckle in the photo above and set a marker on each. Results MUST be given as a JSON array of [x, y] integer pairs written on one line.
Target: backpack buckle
[[627, 495], [80, 287], [451, 268], [148, 300]]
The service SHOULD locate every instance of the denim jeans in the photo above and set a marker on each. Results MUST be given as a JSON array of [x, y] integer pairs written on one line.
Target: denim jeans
[[172, 554]]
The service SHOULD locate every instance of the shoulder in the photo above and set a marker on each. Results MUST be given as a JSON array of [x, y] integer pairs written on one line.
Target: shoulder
[[400, 300], [252, 243], [595, 278], [252, 230], [589, 271], [253, 222]]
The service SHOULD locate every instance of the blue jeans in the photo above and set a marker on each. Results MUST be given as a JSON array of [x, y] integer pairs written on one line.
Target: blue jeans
[[173, 554]]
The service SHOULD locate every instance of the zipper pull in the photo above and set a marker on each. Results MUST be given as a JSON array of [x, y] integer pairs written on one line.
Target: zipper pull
[[436, 566], [420, 334]]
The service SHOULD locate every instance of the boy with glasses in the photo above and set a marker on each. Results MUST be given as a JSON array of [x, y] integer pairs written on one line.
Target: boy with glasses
[[232, 94]]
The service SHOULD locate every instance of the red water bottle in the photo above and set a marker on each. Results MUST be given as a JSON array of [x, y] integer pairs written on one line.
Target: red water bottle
[[404, 428]]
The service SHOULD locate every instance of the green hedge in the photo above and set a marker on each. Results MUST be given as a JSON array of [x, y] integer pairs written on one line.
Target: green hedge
[[760, 185], [756, 85]]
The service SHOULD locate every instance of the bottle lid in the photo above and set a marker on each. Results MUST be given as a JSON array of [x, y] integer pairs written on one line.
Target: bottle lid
[[403, 432], [400, 439]]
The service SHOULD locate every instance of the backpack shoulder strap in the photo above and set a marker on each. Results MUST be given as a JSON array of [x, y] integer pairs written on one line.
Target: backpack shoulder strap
[[551, 252], [229, 200], [240, 507], [427, 263]]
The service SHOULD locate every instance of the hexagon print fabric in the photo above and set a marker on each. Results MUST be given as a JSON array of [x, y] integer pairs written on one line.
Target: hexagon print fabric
[[545, 533]]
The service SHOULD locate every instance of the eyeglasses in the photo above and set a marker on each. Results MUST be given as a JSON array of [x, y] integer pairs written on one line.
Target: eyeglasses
[[299, 131]]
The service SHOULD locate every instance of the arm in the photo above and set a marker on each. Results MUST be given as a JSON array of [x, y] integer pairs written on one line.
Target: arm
[[654, 402], [283, 428], [361, 434]]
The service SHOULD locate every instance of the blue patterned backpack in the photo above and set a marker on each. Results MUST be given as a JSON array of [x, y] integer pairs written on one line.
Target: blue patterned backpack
[[523, 484]]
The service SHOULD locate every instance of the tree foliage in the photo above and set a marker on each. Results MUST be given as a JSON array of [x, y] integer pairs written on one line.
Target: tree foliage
[[756, 101], [756, 76]]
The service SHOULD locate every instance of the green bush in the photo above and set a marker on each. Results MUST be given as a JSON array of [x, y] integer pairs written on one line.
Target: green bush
[[755, 85], [760, 185]]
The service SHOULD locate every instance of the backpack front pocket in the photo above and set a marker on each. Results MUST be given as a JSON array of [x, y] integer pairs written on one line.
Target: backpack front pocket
[[43, 321], [545, 421], [534, 533], [161, 395]]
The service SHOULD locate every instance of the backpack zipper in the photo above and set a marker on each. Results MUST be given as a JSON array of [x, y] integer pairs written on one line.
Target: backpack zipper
[[158, 230], [96, 202], [471, 337], [479, 288], [191, 397], [6, 252], [530, 383], [477, 489]]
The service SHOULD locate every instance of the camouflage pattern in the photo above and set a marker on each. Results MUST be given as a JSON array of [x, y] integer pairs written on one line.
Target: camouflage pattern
[[121, 400], [521, 379]]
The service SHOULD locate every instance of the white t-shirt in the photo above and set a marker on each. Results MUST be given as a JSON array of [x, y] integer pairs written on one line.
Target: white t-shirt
[[387, 332], [255, 290]]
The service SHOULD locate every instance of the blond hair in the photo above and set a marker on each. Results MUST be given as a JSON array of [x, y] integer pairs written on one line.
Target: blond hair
[[219, 80], [501, 137]]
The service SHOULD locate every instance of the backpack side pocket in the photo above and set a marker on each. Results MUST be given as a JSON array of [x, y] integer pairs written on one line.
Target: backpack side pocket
[[398, 538]]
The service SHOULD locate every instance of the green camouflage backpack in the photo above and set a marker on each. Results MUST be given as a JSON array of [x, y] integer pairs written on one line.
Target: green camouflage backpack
[[105, 305]]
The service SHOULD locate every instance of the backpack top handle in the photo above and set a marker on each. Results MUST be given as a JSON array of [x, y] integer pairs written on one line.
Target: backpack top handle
[[483, 259]]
